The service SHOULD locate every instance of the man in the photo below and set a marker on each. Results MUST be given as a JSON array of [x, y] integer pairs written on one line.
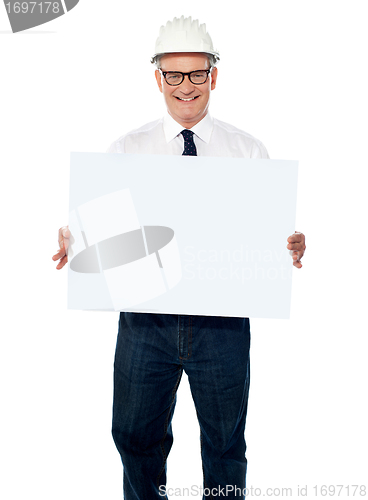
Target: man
[[153, 349]]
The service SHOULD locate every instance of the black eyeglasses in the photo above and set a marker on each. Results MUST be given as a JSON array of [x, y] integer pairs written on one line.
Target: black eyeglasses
[[176, 77]]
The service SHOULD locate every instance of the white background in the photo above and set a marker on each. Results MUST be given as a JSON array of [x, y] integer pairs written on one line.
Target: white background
[[293, 74]]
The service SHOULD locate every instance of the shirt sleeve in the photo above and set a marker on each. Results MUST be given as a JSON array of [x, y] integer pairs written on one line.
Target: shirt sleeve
[[116, 146], [259, 151]]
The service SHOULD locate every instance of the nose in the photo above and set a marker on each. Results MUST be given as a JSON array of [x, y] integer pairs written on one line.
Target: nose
[[186, 86]]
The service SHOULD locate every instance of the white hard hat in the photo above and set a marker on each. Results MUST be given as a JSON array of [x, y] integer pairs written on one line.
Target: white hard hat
[[184, 35]]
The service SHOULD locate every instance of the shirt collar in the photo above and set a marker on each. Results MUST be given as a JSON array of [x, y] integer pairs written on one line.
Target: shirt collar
[[202, 129]]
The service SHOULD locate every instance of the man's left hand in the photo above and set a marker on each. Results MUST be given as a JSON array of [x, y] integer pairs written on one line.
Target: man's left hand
[[296, 243]]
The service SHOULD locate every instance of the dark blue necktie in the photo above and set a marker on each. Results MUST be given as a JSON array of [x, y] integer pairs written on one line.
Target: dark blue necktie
[[189, 146]]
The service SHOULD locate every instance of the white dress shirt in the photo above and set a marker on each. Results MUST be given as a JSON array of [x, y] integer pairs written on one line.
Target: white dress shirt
[[212, 137]]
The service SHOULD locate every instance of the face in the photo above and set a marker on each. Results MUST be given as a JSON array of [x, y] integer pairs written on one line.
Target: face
[[187, 103]]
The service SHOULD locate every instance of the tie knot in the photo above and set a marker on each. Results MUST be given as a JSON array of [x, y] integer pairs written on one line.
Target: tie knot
[[187, 134]]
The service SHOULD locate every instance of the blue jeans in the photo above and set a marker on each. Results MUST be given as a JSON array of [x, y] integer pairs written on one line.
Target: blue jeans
[[151, 353]]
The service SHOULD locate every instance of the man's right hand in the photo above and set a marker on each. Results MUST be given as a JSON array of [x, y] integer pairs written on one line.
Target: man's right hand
[[64, 235]]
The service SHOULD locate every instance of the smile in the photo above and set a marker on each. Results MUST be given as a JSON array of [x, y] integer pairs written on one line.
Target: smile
[[191, 99]]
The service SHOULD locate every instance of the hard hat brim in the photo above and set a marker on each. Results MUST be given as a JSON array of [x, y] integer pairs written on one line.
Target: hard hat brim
[[216, 55]]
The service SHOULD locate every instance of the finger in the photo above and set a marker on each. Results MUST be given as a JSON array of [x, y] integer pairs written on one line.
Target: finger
[[296, 238], [63, 236], [296, 247], [61, 240], [59, 254], [297, 264], [64, 231], [62, 262], [296, 259]]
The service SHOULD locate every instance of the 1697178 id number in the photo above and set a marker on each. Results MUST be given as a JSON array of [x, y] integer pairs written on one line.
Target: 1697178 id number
[[352, 490], [33, 7]]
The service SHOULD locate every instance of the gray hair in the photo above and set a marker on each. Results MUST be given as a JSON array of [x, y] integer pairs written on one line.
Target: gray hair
[[211, 60]]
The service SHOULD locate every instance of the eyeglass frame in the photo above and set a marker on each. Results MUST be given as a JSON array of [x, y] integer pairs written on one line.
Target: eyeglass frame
[[164, 73]]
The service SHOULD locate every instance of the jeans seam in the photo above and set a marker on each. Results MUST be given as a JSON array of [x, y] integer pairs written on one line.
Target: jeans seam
[[190, 336], [189, 348], [166, 426], [204, 476]]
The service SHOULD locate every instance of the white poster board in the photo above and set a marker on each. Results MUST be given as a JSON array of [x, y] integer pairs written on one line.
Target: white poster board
[[181, 235]]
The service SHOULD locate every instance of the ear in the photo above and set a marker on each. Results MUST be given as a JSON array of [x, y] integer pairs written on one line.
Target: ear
[[158, 79], [213, 78]]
